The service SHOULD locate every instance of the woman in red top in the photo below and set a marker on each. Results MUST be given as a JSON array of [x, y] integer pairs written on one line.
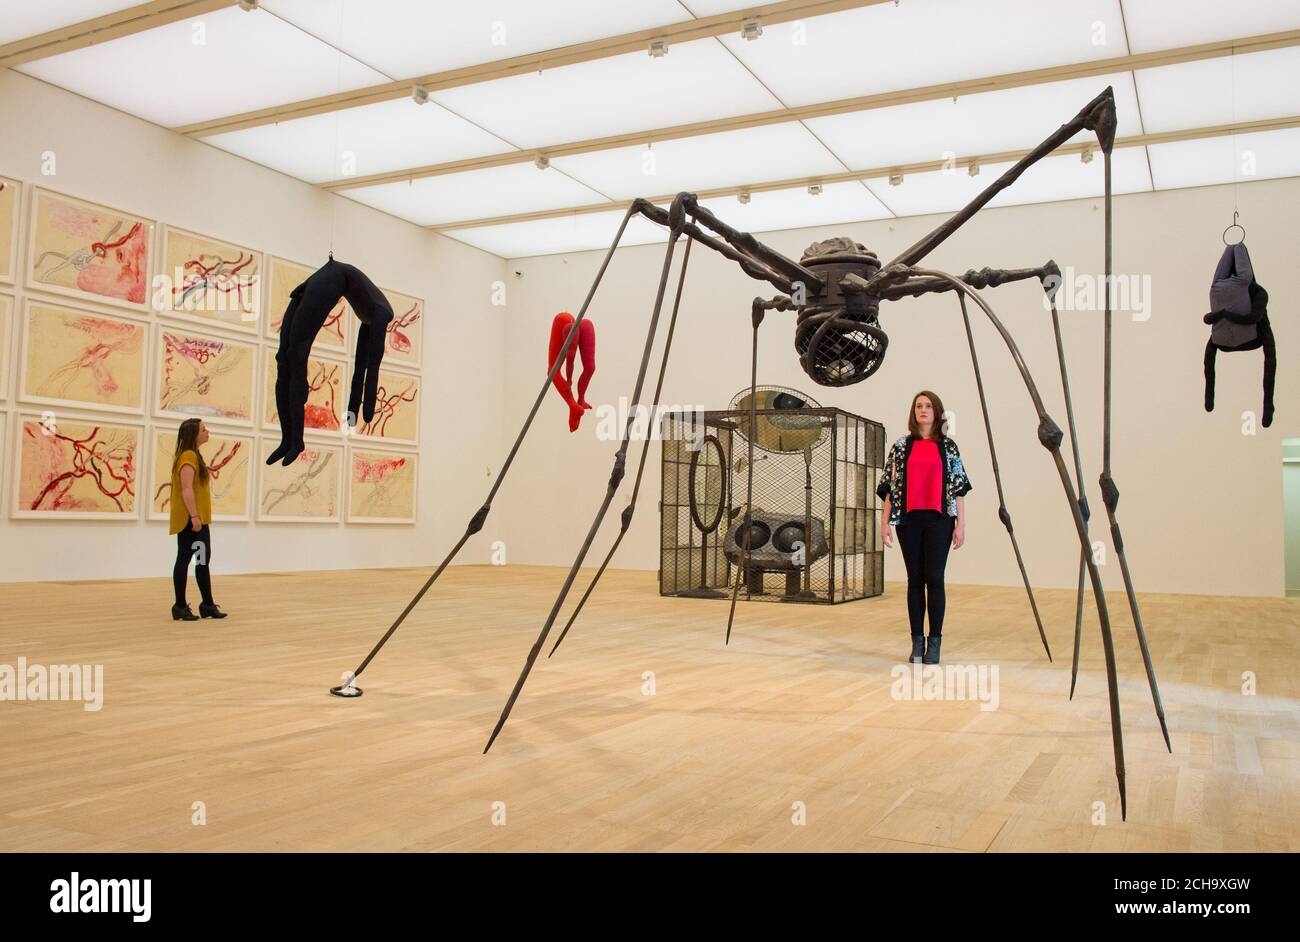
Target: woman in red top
[[925, 530]]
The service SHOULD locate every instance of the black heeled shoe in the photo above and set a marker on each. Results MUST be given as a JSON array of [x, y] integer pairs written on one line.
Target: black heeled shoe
[[918, 649], [183, 613], [932, 650], [210, 610]]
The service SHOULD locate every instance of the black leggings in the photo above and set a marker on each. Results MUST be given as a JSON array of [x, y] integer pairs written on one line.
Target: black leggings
[[199, 546], [925, 536]]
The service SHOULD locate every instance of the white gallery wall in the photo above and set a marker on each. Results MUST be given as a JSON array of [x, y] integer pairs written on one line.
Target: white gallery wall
[[1201, 501], [102, 155]]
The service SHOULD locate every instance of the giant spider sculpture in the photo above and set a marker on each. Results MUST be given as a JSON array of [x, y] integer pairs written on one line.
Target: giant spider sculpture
[[836, 289]]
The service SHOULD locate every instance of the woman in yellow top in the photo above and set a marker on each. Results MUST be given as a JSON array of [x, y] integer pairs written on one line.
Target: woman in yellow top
[[191, 515]]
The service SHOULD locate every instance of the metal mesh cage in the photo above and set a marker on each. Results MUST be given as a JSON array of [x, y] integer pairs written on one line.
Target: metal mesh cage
[[815, 533]]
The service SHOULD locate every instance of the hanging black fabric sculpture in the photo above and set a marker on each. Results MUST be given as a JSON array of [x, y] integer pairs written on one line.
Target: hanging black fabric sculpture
[[309, 304], [1238, 320]]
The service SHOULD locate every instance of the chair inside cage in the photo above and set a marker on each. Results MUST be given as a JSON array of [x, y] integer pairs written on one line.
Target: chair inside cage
[[813, 528]]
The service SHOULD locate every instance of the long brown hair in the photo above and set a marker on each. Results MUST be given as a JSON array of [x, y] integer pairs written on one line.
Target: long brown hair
[[936, 404], [187, 439]]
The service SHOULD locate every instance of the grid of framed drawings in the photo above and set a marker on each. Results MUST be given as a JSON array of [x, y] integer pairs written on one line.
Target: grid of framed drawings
[[114, 328]]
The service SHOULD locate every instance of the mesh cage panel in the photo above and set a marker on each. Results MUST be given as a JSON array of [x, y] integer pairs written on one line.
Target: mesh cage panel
[[814, 527]]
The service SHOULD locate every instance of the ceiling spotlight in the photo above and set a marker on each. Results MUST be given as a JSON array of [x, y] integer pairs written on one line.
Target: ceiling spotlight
[[896, 179], [248, 6], [419, 94], [815, 189], [542, 162], [973, 169], [1085, 155], [751, 29], [743, 196], [658, 48]]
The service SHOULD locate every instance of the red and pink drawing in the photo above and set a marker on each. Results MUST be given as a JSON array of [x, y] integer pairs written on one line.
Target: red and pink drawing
[[205, 376], [77, 469], [406, 320], [89, 249], [89, 374], [396, 409], [211, 282]]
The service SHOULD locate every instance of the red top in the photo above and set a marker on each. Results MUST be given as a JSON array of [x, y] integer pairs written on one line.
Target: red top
[[924, 475]]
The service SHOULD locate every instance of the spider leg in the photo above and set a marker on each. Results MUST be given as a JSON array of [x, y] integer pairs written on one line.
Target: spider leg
[[615, 478], [626, 519], [757, 312], [1050, 436], [1110, 493], [1098, 115], [480, 516], [1003, 514], [1051, 282]]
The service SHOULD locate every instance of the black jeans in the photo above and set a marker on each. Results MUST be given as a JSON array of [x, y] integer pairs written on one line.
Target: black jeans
[[925, 536], [199, 547]]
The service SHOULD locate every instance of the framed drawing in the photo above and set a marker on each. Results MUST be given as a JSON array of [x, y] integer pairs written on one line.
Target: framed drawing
[[84, 250], [326, 396], [284, 277], [6, 331], [382, 486], [81, 358], [210, 281], [308, 491], [405, 346], [75, 469], [397, 410], [229, 458], [11, 205], [199, 375]]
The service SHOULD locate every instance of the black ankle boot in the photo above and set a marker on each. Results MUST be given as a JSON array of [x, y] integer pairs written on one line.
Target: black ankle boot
[[183, 613], [210, 610], [932, 650], [918, 649]]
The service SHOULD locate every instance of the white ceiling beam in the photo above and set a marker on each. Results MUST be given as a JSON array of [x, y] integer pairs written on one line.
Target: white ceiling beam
[[101, 29], [687, 31], [929, 166], [905, 96]]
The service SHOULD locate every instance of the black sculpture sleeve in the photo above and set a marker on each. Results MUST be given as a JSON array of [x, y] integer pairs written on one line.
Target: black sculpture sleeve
[[359, 377]]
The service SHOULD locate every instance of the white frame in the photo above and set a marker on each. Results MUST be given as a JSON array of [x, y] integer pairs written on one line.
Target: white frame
[[19, 189], [4, 455], [20, 392], [6, 331], [15, 458], [267, 445], [29, 273], [274, 335], [354, 435], [250, 327], [155, 406], [267, 392], [155, 480], [351, 518]]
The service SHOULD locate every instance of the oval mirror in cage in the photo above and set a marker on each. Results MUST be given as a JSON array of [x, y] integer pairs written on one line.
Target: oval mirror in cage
[[707, 485]]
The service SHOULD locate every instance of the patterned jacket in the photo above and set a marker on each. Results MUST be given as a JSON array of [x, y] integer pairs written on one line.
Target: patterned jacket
[[893, 481]]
